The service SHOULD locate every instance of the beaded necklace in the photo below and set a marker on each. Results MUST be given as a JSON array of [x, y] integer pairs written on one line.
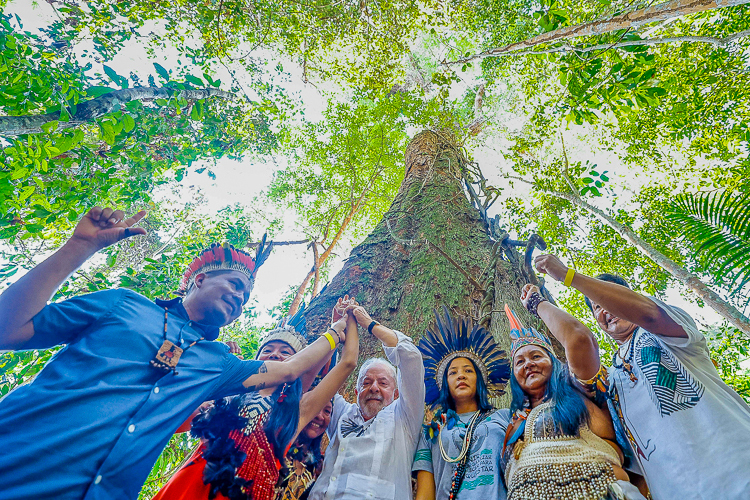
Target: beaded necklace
[[627, 361], [463, 457], [168, 355], [466, 442]]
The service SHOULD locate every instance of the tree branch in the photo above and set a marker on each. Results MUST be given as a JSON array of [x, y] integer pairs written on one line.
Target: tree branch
[[714, 301], [660, 12], [278, 243], [720, 42], [90, 110]]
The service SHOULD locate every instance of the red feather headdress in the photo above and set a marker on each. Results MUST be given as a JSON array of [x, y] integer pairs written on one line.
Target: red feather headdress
[[224, 257]]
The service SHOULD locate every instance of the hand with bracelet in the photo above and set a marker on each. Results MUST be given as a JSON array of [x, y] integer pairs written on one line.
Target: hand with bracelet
[[387, 336], [336, 333], [531, 298], [553, 266]]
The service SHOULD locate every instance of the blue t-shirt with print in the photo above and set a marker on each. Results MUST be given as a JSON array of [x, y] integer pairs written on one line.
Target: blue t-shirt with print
[[93, 422], [483, 479]]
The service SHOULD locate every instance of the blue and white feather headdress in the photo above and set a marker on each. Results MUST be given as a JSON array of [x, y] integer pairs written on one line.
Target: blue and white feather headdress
[[456, 338]]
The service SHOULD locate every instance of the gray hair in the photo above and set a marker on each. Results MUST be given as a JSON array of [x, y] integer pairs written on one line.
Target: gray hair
[[369, 364]]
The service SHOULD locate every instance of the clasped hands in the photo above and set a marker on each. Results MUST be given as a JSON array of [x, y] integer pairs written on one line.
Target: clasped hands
[[348, 310]]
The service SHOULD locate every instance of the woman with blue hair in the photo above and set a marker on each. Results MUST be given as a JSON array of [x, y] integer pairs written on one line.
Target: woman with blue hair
[[458, 453], [559, 444]]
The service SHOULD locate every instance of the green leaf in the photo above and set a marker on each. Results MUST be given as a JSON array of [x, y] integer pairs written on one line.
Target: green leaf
[[162, 72], [107, 132], [26, 192], [127, 123], [194, 80], [98, 90], [50, 127], [112, 74]]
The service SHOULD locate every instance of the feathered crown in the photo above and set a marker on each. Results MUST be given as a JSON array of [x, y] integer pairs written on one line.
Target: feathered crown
[[224, 257], [520, 336], [457, 339], [292, 330]]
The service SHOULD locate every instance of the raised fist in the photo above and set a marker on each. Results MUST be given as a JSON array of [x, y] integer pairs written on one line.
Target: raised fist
[[551, 265]]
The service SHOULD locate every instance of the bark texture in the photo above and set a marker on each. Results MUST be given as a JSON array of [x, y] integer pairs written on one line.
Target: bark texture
[[429, 250], [661, 12], [89, 111]]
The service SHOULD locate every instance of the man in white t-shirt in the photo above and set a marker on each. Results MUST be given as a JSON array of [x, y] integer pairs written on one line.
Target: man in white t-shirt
[[688, 430]]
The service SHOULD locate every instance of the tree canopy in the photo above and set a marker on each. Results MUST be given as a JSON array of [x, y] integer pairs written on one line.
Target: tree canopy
[[616, 130]]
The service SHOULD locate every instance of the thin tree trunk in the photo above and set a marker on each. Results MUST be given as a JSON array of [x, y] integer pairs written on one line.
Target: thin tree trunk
[[714, 301], [656, 13], [294, 306], [316, 268], [90, 110], [320, 260]]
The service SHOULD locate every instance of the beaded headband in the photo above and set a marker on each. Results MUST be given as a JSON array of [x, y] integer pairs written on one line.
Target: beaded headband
[[224, 258], [453, 339], [291, 330], [521, 336]]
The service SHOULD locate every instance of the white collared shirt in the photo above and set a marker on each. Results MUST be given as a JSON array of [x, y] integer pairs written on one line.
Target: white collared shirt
[[372, 459]]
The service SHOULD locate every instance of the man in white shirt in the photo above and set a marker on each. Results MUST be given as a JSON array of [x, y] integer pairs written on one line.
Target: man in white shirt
[[372, 443], [688, 430]]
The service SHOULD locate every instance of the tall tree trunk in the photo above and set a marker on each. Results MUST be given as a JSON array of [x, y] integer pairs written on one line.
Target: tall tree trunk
[[418, 257], [711, 298], [655, 13]]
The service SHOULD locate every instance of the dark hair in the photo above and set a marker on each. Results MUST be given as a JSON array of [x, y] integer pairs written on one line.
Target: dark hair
[[612, 278], [312, 445], [445, 401], [284, 418], [569, 410]]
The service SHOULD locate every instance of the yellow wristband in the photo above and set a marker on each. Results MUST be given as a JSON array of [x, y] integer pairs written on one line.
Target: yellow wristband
[[330, 340], [569, 277]]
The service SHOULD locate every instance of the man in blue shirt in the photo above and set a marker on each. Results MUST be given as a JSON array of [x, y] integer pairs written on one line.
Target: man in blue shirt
[[98, 415]]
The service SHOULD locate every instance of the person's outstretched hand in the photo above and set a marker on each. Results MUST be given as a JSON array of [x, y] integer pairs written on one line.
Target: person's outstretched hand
[[526, 292], [551, 265], [362, 316], [342, 305], [102, 227]]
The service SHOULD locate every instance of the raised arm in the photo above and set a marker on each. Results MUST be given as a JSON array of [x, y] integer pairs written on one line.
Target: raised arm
[[388, 337], [338, 312], [314, 401], [581, 347], [24, 299], [401, 351], [273, 373], [618, 300]]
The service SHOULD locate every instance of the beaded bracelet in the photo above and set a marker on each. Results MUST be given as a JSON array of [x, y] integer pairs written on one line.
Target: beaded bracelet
[[532, 304], [332, 329]]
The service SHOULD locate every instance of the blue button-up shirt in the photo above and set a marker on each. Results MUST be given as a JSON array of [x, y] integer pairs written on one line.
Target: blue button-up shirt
[[95, 419]]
